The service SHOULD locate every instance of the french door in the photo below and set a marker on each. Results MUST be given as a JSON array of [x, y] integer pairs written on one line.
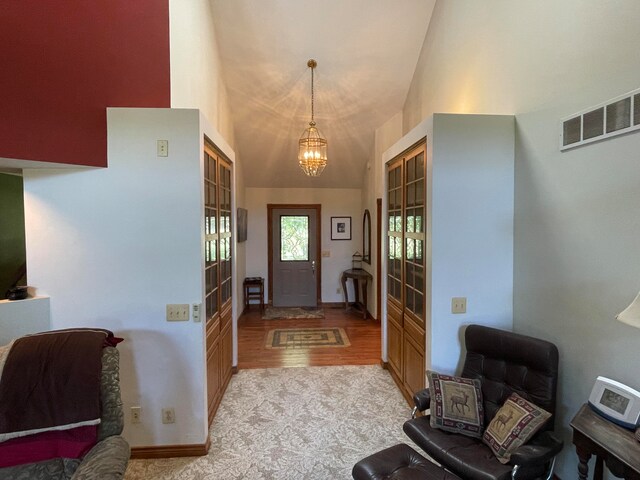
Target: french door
[[218, 254], [406, 269]]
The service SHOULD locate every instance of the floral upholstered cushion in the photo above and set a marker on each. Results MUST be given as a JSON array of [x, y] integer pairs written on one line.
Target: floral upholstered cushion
[[456, 404], [513, 425], [111, 402]]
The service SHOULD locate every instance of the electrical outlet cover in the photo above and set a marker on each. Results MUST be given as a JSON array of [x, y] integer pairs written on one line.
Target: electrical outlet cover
[[168, 415], [136, 414]]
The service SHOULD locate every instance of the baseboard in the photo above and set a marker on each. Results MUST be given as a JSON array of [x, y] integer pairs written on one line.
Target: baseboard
[[332, 304], [340, 305], [168, 451], [384, 365], [407, 396], [234, 370]]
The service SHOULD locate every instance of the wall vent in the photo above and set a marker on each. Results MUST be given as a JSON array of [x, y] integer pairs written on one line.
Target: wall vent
[[608, 119]]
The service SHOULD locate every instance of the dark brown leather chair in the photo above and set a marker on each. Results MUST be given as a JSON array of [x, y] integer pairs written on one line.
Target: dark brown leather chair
[[504, 362]]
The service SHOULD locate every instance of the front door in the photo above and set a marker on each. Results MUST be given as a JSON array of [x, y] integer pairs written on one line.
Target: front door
[[294, 259]]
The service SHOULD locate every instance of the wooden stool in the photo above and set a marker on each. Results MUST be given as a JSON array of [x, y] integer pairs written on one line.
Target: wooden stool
[[253, 290]]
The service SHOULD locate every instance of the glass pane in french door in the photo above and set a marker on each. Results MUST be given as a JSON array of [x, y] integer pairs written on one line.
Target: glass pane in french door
[[294, 238], [394, 231]]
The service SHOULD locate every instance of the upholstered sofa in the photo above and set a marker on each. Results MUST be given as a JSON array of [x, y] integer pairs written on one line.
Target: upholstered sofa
[[108, 459]]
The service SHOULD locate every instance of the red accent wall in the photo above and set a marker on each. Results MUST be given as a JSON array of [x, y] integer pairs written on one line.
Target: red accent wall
[[62, 62]]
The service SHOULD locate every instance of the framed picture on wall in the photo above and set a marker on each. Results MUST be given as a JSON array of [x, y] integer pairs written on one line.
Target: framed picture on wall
[[242, 225], [340, 228]]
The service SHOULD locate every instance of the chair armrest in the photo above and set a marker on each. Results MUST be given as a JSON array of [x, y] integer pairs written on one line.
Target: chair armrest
[[107, 460], [422, 399], [537, 452]]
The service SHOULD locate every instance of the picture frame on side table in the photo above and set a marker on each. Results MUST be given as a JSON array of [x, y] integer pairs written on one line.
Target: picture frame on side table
[[340, 228]]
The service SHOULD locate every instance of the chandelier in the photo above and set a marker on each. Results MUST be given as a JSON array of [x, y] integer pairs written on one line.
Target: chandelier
[[312, 149]]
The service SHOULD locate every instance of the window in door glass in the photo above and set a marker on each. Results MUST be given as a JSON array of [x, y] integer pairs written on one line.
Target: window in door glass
[[294, 238]]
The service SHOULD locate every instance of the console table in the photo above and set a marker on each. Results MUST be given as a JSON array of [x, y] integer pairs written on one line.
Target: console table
[[356, 276], [611, 444]]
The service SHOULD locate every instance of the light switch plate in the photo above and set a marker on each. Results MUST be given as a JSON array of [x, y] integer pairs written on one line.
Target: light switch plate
[[459, 305], [178, 312]]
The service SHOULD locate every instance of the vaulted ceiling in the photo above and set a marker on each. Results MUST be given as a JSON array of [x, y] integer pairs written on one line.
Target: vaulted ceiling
[[366, 52]]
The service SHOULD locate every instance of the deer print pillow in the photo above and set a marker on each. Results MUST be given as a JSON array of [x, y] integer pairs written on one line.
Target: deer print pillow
[[514, 424], [456, 404]]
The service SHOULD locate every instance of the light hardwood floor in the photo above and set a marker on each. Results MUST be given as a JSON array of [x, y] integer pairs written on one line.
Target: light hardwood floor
[[364, 336]]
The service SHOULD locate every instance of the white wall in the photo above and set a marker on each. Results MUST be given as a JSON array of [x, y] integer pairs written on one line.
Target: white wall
[[240, 255], [21, 317], [469, 227], [196, 77], [197, 82], [113, 246], [472, 218], [335, 203], [576, 222], [385, 136]]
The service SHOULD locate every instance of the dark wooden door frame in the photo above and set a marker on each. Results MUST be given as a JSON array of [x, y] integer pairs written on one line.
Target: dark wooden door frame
[[379, 259], [318, 208]]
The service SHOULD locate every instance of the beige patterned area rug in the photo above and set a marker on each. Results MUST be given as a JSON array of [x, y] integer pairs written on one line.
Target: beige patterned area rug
[[272, 313], [292, 338], [292, 424]]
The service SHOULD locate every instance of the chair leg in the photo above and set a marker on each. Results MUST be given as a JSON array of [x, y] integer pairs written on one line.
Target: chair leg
[[514, 472], [548, 475], [551, 466], [413, 412]]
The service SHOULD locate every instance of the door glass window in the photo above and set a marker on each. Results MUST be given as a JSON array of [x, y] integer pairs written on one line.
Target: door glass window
[[294, 238]]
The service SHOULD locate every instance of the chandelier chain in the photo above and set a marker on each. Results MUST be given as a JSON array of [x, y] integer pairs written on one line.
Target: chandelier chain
[[312, 97]]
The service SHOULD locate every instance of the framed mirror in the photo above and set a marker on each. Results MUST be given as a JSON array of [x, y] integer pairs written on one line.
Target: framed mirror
[[366, 237]]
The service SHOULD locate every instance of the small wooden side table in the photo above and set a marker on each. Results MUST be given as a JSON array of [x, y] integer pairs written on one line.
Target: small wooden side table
[[253, 290], [611, 444], [356, 276]]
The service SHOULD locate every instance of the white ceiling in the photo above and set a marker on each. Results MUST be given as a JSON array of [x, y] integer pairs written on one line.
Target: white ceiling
[[366, 52]]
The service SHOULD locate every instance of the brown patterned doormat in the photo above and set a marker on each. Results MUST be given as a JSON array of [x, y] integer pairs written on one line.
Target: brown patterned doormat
[[271, 313], [292, 338]]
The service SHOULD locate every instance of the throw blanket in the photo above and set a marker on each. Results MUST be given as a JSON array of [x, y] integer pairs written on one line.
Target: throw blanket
[[51, 381]]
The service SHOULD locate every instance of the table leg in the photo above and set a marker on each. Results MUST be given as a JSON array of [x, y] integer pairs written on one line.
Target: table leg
[[343, 280], [583, 460], [598, 470], [356, 287], [364, 297], [261, 297]]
